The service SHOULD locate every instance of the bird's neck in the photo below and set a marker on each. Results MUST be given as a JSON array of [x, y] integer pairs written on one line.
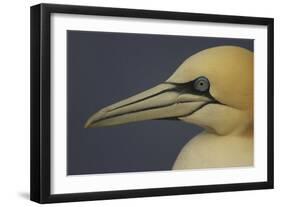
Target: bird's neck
[[211, 150], [240, 131]]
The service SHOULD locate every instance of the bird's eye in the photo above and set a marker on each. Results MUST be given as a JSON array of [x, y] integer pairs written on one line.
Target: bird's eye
[[201, 84]]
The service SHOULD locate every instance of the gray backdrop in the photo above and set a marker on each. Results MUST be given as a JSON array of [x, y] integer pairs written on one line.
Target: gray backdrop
[[103, 68]]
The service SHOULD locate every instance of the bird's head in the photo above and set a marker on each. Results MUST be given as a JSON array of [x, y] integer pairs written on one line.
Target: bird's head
[[213, 89]]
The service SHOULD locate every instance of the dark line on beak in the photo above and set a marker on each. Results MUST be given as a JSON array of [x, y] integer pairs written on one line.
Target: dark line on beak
[[178, 88], [176, 118], [156, 107], [200, 107], [140, 110], [145, 98]]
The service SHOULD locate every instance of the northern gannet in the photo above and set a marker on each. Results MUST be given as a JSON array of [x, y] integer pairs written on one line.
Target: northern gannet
[[212, 89]]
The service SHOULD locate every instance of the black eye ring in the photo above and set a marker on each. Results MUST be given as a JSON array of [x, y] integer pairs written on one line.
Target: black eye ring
[[201, 84]]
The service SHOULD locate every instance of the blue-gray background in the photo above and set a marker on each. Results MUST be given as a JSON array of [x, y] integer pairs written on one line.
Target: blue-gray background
[[103, 68]]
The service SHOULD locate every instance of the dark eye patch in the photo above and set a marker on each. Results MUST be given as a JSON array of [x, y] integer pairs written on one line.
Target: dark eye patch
[[199, 86]]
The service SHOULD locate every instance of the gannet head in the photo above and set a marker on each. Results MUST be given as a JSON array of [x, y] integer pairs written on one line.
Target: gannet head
[[213, 89]]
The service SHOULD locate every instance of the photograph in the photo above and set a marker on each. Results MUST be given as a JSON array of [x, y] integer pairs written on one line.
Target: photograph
[[142, 102]]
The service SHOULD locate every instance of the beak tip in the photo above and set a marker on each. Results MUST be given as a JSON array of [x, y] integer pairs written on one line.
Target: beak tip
[[87, 125], [93, 121]]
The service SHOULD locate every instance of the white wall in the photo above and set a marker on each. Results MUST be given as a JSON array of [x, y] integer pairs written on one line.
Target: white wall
[[14, 101]]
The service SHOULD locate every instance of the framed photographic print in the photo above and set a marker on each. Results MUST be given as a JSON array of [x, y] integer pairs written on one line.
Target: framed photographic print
[[133, 103]]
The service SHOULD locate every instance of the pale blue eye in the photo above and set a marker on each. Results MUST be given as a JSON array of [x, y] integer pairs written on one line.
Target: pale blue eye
[[201, 84]]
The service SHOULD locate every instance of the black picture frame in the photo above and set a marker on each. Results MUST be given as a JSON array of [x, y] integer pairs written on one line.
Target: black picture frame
[[41, 98]]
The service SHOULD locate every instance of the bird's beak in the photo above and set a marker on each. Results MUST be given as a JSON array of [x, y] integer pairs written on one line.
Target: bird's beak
[[165, 101]]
